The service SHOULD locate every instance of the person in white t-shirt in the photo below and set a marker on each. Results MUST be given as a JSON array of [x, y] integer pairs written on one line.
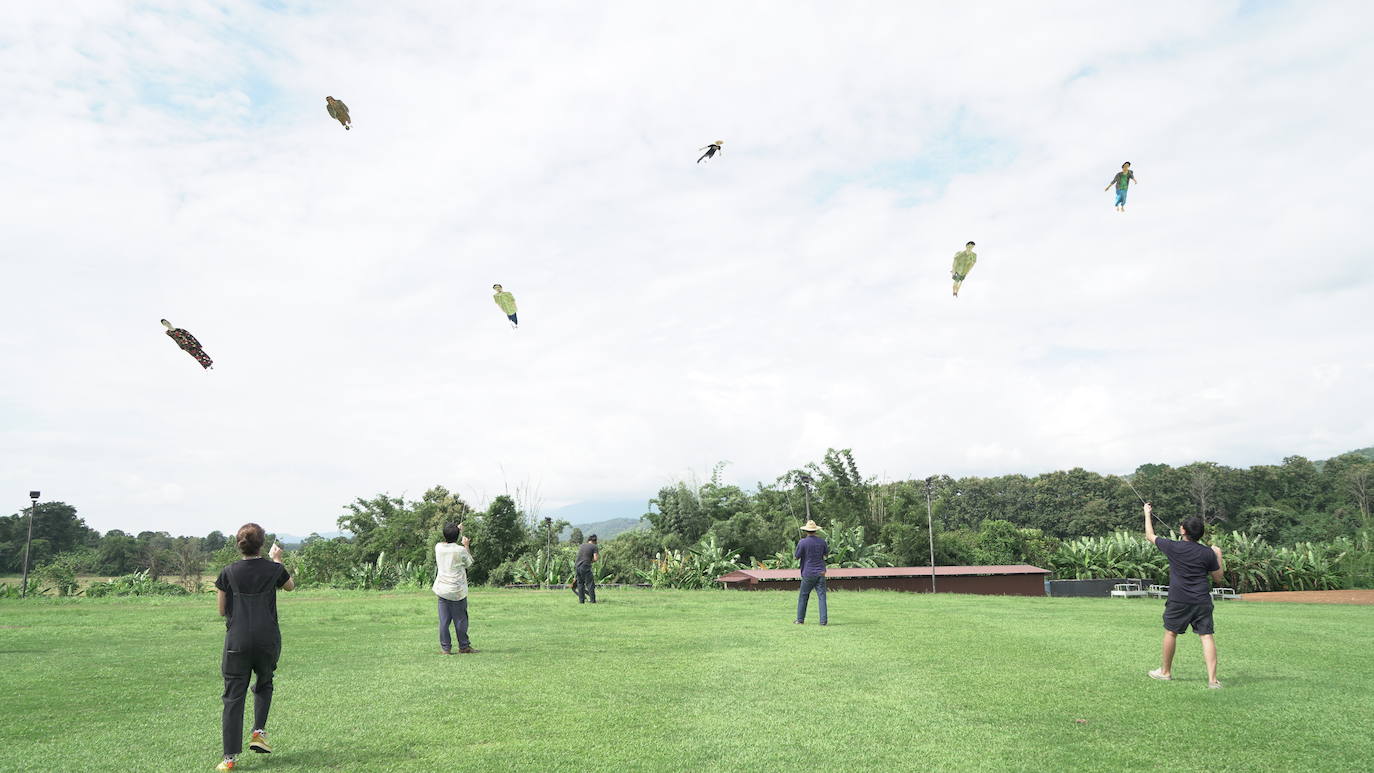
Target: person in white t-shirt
[[451, 586]]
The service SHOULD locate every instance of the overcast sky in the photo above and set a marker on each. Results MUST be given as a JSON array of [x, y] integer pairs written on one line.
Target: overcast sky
[[788, 296]]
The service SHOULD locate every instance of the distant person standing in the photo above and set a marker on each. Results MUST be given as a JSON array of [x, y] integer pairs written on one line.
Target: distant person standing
[[1122, 181], [247, 591], [1190, 598], [451, 586], [585, 584], [812, 551]]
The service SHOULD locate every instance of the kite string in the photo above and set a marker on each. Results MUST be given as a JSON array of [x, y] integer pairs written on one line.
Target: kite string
[[1143, 502]]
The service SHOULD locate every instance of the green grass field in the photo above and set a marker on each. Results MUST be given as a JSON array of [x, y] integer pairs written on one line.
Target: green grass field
[[663, 680]]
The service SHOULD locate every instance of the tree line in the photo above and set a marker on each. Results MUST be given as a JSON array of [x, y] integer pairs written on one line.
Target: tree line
[[975, 520]]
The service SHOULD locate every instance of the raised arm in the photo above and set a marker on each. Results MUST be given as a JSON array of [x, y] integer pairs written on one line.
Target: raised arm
[[1149, 523], [1218, 573], [275, 555]]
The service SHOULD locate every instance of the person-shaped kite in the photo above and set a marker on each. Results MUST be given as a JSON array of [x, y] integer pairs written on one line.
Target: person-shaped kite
[[338, 111], [1122, 181], [507, 303], [963, 263], [188, 344], [711, 150]]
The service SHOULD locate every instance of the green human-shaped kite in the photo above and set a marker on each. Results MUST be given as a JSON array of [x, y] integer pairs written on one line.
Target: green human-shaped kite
[[338, 111], [963, 263], [507, 303]]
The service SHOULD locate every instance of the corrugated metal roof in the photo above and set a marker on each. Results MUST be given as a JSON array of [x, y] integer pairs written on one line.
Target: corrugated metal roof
[[763, 575]]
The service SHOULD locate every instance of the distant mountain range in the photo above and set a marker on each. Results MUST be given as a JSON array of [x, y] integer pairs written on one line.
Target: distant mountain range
[[605, 530], [1367, 453], [289, 541], [599, 510]]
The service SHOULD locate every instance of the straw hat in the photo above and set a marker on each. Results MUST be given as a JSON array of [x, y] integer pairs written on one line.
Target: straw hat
[[811, 527]]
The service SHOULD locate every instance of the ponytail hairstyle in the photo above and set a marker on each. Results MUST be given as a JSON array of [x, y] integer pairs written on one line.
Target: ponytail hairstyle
[[250, 539]]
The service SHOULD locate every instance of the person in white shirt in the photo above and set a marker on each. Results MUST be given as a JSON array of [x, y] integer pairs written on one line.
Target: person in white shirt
[[451, 586]]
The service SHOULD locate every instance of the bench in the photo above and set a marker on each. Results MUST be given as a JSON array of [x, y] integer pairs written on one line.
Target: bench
[[1159, 591], [1127, 590], [1225, 593]]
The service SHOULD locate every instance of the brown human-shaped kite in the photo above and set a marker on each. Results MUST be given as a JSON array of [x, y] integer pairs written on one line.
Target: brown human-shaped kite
[[188, 344]]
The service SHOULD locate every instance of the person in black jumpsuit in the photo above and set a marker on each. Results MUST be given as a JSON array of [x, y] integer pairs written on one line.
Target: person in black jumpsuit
[[252, 642]]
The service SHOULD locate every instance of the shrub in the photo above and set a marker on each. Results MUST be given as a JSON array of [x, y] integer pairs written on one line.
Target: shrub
[[554, 567], [1121, 554], [1252, 565], [414, 575], [136, 584], [783, 559], [8, 591], [321, 562], [503, 574], [378, 575], [693, 568], [59, 574], [629, 553], [849, 551]]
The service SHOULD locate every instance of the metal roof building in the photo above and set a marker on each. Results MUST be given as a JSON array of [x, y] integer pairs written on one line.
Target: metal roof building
[[1011, 580]]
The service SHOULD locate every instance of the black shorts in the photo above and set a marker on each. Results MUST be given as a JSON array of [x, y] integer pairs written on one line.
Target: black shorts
[[1178, 616]]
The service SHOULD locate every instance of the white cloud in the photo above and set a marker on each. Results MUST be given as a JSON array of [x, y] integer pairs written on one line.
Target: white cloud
[[788, 296]]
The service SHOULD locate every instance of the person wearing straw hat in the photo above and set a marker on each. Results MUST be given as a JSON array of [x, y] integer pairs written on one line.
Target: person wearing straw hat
[[812, 551]]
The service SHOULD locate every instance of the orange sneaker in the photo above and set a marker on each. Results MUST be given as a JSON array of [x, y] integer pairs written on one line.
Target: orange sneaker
[[258, 742], [225, 765]]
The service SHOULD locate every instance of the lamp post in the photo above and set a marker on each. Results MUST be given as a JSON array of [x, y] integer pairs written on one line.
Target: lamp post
[[33, 510], [805, 482], [548, 550], [930, 532]]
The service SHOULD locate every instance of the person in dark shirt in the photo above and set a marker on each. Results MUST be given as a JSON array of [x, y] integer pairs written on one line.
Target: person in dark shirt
[[1190, 597], [252, 642], [585, 584], [812, 551]]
